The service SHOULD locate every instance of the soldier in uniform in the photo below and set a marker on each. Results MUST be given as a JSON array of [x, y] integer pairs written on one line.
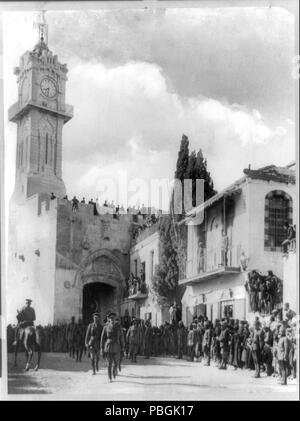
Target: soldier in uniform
[[283, 355], [148, 339], [92, 341], [216, 343], [79, 340], [207, 341], [123, 333], [133, 338], [156, 341], [25, 317], [267, 355], [112, 344], [224, 339], [257, 342], [70, 337], [192, 341], [181, 338]]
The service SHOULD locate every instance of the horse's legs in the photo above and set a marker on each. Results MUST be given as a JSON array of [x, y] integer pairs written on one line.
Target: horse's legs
[[16, 352], [39, 351], [80, 354], [29, 353]]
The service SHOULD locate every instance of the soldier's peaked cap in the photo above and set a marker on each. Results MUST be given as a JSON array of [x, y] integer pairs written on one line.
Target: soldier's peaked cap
[[96, 314], [111, 314], [29, 300]]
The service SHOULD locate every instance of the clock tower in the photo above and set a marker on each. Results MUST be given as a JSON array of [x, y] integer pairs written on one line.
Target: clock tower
[[40, 114]]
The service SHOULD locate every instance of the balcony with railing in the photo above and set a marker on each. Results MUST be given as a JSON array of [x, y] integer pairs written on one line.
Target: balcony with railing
[[209, 263], [138, 292]]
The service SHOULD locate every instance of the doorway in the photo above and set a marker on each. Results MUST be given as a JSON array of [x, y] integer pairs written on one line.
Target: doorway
[[97, 297]]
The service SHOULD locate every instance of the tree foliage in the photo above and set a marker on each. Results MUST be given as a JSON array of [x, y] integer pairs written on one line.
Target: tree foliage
[[172, 237]]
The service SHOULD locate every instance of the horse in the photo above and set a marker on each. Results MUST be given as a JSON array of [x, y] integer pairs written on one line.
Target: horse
[[31, 338]]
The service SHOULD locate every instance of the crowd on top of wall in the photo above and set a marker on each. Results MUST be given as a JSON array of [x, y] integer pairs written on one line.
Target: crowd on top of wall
[[146, 212]]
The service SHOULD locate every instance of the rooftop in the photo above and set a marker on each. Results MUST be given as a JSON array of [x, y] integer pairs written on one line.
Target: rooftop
[[270, 172]]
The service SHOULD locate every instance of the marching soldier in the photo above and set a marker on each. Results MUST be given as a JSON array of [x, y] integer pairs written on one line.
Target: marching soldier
[[25, 317], [112, 344], [92, 341]]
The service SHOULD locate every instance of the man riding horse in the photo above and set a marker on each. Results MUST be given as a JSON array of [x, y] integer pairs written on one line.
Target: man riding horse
[[25, 317], [27, 334]]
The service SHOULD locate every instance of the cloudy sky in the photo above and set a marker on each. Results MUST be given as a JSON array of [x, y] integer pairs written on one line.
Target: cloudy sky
[[139, 79]]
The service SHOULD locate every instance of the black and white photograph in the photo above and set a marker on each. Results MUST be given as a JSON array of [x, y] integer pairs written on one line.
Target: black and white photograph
[[149, 212]]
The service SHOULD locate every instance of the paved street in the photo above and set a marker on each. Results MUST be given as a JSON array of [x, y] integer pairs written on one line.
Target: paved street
[[154, 379]]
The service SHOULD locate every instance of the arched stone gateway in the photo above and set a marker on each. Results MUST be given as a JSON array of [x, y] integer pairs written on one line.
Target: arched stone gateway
[[101, 281]]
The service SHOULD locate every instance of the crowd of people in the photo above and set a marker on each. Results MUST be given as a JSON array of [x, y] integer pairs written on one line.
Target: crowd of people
[[265, 292], [149, 220], [136, 284], [148, 214], [268, 346]]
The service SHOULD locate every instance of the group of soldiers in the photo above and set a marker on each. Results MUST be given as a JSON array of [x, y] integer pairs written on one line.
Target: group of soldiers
[[269, 346], [264, 346]]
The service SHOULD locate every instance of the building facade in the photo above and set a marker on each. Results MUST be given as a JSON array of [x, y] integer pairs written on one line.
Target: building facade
[[144, 256], [70, 262], [74, 261], [236, 231]]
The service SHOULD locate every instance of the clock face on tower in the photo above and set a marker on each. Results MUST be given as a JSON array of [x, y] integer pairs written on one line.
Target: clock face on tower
[[48, 87]]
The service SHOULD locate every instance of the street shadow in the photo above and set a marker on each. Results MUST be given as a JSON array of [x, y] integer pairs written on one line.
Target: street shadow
[[50, 362], [153, 377], [198, 386], [160, 363], [21, 383]]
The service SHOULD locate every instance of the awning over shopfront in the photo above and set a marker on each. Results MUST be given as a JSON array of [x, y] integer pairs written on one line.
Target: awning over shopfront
[[233, 189], [194, 296], [138, 296]]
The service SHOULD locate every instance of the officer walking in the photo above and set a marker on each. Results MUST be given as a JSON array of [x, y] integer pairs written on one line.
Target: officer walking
[[92, 341], [112, 344]]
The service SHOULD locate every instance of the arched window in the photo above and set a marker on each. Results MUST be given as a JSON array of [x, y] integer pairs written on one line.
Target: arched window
[[278, 210]]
